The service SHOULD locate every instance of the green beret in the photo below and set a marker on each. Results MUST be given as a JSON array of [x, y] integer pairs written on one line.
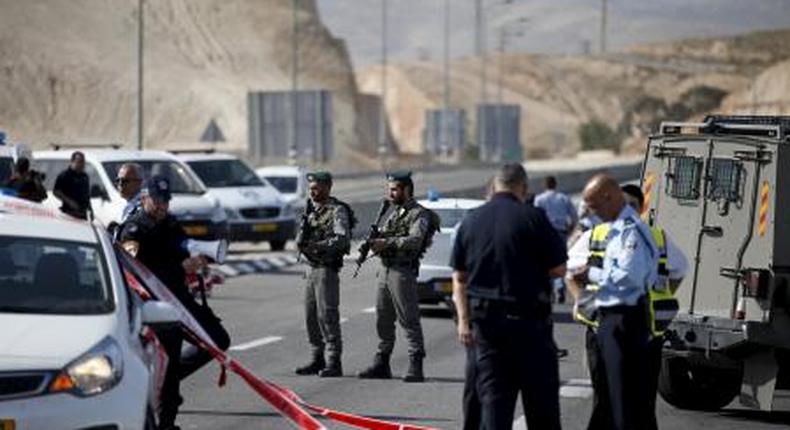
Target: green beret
[[399, 176], [323, 177]]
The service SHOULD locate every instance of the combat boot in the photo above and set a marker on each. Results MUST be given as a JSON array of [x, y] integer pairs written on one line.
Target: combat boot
[[380, 368], [313, 367], [414, 374], [332, 370]]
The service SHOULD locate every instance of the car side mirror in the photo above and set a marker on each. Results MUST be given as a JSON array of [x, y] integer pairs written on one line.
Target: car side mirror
[[98, 192], [159, 313]]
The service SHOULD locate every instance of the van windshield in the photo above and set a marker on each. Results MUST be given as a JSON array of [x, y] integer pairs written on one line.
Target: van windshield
[[284, 184], [225, 173], [45, 276], [182, 181]]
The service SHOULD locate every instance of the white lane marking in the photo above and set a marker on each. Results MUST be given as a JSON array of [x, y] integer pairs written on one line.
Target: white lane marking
[[227, 270], [244, 268], [520, 423], [256, 343], [579, 382], [290, 258], [572, 392], [343, 320], [277, 262], [370, 310], [262, 265]]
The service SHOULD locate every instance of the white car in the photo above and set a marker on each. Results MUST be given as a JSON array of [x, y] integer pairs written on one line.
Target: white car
[[434, 282], [74, 351], [290, 181], [199, 214], [256, 211]]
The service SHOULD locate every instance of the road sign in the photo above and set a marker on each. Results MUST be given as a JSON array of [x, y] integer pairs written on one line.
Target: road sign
[[212, 134]]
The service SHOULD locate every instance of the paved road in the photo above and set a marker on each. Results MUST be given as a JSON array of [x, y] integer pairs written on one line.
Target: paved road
[[264, 315]]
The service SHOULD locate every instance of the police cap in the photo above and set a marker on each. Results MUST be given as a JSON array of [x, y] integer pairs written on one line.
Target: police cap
[[157, 187], [320, 177], [403, 176]]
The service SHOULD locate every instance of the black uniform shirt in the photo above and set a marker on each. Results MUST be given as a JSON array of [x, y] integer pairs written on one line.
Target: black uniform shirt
[[161, 249], [76, 185], [507, 249]]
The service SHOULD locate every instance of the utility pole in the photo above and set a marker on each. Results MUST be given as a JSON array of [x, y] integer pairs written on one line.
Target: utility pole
[[445, 140], [382, 129], [602, 37], [480, 26], [140, 26], [292, 127]]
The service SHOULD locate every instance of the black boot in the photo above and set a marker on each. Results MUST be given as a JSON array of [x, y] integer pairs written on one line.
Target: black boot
[[332, 370], [313, 367], [415, 371], [380, 368]]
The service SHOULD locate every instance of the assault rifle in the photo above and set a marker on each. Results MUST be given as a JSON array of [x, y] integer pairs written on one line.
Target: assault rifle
[[373, 233], [304, 228]]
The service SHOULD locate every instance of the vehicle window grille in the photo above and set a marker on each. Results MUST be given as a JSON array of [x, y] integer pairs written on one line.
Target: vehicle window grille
[[684, 177], [725, 178]]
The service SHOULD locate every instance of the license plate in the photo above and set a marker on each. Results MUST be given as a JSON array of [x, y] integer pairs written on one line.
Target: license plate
[[196, 230], [443, 287], [264, 228], [7, 424]]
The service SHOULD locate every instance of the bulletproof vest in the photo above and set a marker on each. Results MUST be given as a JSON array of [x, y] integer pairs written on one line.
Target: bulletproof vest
[[398, 225], [321, 226]]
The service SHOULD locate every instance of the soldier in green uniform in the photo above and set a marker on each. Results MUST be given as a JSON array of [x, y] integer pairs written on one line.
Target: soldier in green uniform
[[325, 237], [405, 235]]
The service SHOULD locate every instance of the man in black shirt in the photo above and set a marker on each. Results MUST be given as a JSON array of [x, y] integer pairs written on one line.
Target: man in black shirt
[[504, 257], [154, 237], [72, 187]]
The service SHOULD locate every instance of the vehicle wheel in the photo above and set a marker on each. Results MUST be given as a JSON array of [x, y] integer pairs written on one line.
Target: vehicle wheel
[[277, 245], [150, 419], [697, 387]]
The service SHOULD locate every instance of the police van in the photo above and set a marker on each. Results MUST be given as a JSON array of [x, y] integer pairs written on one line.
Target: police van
[[200, 214], [721, 190]]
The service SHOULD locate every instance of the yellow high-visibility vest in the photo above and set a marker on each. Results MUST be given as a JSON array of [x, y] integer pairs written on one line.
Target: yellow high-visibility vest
[[662, 305]]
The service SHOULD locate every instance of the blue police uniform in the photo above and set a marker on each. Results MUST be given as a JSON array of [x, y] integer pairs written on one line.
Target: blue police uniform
[[629, 266]]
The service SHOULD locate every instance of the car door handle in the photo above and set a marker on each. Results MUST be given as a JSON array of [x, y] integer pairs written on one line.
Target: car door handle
[[713, 230]]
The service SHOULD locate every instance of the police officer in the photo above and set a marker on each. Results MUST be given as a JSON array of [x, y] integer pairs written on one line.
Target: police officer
[[72, 187], [129, 182], [628, 268], [405, 235], [504, 257], [153, 236], [562, 215], [324, 240]]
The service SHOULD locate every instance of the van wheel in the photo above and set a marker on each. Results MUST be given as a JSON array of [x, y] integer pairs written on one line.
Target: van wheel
[[697, 387], [277, 245]]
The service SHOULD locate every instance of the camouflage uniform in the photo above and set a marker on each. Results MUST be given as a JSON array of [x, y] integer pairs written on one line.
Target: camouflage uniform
[[405, 231], [327, 241]]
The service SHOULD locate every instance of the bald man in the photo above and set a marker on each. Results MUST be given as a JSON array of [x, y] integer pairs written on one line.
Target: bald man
[[620, 279]]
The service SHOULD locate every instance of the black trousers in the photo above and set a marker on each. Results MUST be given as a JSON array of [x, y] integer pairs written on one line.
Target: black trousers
[[601, 417], [655, 348], [471, 401], [516, 355], [622, 341], [172, 338]]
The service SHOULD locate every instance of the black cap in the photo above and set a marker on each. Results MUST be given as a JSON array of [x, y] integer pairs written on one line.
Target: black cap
[[322, 177], [399, 176], [158, 188]]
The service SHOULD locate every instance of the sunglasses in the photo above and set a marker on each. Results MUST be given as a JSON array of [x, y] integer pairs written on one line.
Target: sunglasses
[[124, 181]]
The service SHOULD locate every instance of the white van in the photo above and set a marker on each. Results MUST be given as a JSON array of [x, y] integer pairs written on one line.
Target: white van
[[256, 211], [201, 215]]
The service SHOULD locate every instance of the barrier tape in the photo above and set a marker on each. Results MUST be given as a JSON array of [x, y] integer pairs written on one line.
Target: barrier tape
[[288, 403]]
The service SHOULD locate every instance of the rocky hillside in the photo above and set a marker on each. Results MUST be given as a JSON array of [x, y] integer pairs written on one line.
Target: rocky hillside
[[69, 68], [629, 91]]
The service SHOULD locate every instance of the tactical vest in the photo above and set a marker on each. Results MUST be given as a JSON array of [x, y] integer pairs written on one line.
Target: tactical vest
[[662, 305], [322, 227], [399, 224]]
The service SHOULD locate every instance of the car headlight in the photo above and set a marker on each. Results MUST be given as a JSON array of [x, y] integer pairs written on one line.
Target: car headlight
[[231, 214], [218, 215], [95, 372]]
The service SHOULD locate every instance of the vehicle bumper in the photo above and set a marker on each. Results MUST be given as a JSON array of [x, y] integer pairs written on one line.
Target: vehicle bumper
[[726, 335], [123, 407], [262, 230], [434, 291]]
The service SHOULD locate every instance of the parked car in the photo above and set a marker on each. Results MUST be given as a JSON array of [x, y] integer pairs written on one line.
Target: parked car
[[75, 344], [199, 213], [290, 181], [256, 211], [434, 282]]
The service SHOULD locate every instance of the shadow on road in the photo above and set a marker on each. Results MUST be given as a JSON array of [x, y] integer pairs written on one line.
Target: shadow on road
[[776, 417], [438, 312]]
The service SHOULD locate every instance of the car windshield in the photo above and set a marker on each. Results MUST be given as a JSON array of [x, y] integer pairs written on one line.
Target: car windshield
[[450, 217], [45, 276], [182, 181], [284, 184], [225, 173]]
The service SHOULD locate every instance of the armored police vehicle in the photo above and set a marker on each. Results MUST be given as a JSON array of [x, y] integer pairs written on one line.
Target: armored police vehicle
[[721, 190]]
